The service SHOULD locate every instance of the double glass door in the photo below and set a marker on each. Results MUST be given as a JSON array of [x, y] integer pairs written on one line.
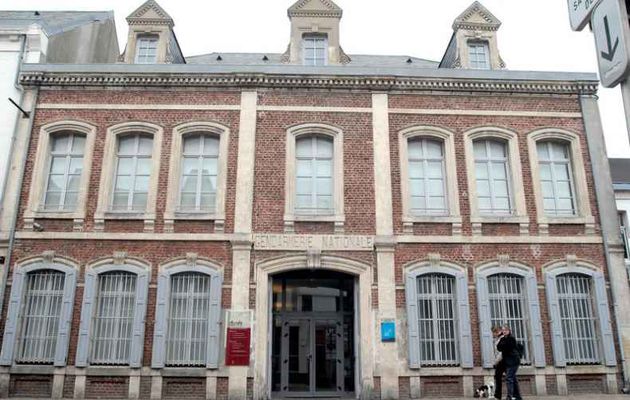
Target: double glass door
[[311, 356]]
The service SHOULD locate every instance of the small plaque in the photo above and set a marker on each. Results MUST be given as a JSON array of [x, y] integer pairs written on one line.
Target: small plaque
[[388, 331], [238, 338]]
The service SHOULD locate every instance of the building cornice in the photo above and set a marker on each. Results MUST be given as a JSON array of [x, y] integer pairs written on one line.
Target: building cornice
[[262, 80]]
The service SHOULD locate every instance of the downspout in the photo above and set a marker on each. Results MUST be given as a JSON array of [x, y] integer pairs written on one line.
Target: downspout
[[610, 226], [7, 263]]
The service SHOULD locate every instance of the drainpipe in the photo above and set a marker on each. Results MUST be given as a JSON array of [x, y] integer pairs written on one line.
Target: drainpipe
[[605, 197], [7, 263]]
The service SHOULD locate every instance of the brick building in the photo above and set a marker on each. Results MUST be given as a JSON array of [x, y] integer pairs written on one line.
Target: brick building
[[366, 219]]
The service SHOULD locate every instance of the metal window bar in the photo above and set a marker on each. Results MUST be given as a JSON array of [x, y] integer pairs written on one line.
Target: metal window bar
[[423, 177], [508, 306], [189, 308], [491, 163], [41, 312], [205, 158], [113, 318], [60, 195], [436, 320], [578, 320], [555, 163]]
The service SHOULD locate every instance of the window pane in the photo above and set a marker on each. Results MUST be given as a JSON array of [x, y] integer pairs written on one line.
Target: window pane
[[434, 169], [324, 147], [416, 169], [208, 184], [127, 145], [121, 200], [70, 201], [188, 200], [436, 188], [56, 182], [58, 165], [144, 166], [304, 147], [324, 186], [210, 166], [497, 149], [146, 145], [192, 145], [304, 186], [433, 149], [125, 166], [142, 184], [479, 147], [324, 168], [53, 200], [73, 182], [76, 165], [78, 144], [123, 183], [139, 201], [211, 146], [304, 168]]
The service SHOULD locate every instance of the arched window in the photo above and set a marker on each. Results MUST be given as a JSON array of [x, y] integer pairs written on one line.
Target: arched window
[[492, 172], [581, 331], [37, 328], [187, 316], [556, 177], [64, 173], [438, 316], [427, 183], [199, 173], [133, 172]]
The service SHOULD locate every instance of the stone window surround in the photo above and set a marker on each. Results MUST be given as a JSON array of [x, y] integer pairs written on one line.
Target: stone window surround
[[489, 37], [290, 216], [137, 32], [47, 260], [103, 208], [171, 213], [519, 215], [462, 317], [120, 262], [35, 206], [190, 263], [583, 206], [600, 307], [452, 190], [504, 266]]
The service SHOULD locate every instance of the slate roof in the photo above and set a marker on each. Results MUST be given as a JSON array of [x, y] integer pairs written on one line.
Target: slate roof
[[275, 59], [52, 22], [620, 171]]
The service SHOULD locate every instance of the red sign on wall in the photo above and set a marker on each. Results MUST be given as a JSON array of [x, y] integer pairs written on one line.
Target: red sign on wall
[[237, 348]]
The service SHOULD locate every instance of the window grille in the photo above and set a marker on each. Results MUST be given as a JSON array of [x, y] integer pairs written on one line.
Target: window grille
[[315, 49], [556, 178], [578, 321], [113, 318], [133, 171], [436, 320], [64, 173], [479, 55], [189, 308], [492, 173], [314, 174], [146, 50], [199, 173], [426, 176], [506, 294], [41, 313]]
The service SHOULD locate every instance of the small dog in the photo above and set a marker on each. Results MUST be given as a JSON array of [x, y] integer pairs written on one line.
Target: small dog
[[485, 390]]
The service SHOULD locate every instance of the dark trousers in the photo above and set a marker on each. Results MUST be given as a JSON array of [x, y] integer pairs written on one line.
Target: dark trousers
[[511, 382], [499, 370]]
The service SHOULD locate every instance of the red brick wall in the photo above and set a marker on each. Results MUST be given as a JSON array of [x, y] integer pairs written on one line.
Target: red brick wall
[[442, 386], [30, 386], [184, 388], [102, 387], [586, 384]]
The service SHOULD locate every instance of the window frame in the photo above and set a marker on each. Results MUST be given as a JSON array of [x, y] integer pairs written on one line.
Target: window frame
[[108, 170], [35, 204], [194, 265], [142, 272], [583, 215], [15, 307], [450, 176], [479, 43], [139, 39], [172, 212], [572, 265], [519, 210], [310, 36], [530, 285], [290, 214], [462, 309]]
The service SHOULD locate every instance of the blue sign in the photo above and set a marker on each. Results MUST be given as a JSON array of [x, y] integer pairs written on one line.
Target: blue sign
[[388, 331]]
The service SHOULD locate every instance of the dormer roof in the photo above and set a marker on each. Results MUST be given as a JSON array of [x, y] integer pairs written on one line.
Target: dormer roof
[[150, 13], [315, 8], [476, 17]]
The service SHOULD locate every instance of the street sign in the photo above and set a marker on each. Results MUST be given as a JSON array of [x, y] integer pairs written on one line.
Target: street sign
[[580, 12], [610, 27]]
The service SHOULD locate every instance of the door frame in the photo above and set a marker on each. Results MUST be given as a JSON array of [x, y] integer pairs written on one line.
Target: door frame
[[364, 334]]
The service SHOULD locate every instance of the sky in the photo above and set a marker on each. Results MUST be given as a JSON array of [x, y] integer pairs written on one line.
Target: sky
[[535, 34]]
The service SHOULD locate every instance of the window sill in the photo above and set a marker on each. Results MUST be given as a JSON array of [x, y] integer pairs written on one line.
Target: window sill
[[409, 220], [478, 220], [170, 218], [76, 216], [131, 215], [337, 219], [587, 221], [101, 217]]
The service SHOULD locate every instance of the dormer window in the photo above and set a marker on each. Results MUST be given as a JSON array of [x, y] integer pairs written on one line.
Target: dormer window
[[315, 50], [146, 49], [479, 55]]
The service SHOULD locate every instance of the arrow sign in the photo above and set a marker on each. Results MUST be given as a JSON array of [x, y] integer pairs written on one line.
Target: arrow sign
[[612, 39], [610, 54]]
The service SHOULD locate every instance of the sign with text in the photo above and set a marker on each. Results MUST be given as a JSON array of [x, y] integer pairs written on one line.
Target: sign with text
[[580, 12], [610, 27], [305, 242], [238, 338]]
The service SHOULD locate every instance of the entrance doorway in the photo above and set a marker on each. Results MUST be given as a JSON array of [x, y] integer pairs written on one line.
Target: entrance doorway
[[313, 339]]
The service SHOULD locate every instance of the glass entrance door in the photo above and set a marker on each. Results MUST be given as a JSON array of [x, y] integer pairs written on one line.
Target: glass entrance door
[[328, 348]]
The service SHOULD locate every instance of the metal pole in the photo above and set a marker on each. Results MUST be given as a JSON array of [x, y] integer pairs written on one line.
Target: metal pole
[[625, 93]]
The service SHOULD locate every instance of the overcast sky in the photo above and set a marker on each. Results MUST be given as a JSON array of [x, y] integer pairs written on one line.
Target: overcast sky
[[535, 34]]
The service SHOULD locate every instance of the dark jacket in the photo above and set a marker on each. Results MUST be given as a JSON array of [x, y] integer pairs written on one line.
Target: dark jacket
[[509, 351]]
